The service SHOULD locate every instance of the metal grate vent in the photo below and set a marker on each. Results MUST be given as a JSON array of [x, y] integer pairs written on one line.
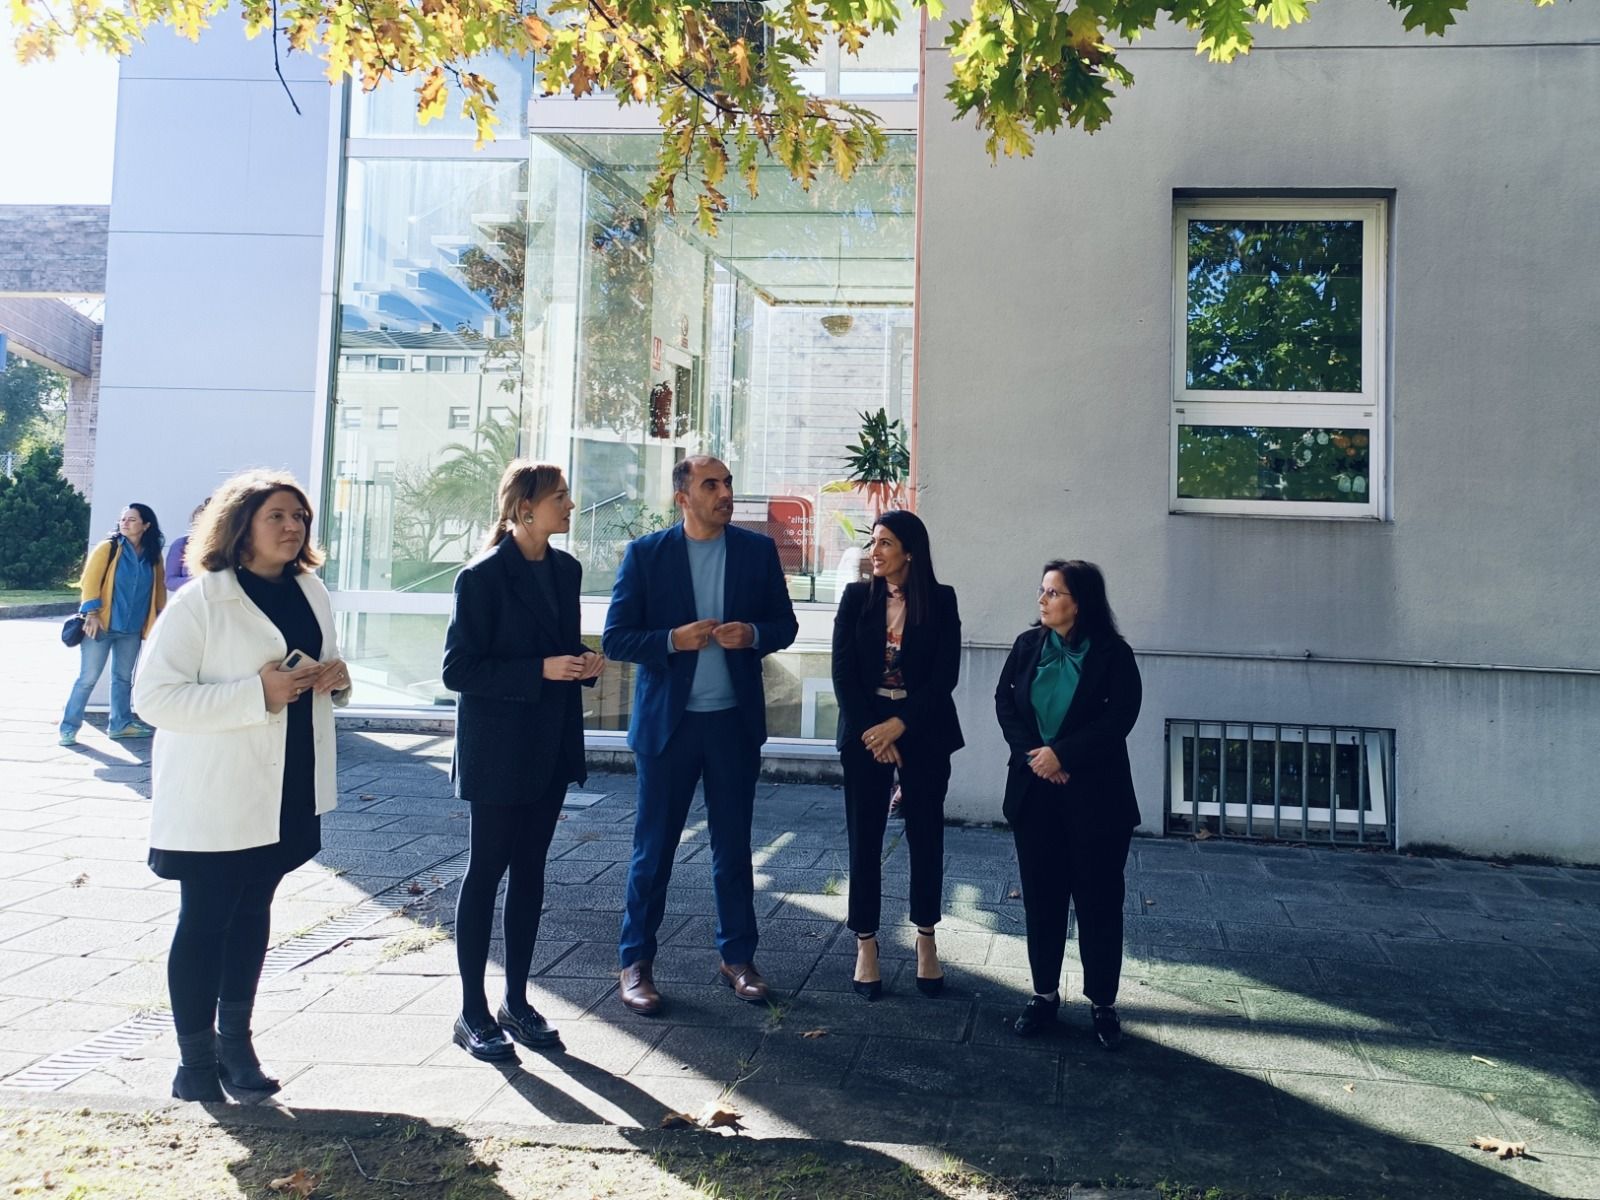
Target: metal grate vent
[[1304, 783]]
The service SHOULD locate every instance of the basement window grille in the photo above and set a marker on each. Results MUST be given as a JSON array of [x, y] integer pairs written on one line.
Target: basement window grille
[[1306, 783]]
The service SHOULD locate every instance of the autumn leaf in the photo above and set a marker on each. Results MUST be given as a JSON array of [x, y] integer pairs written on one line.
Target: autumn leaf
[[815, 1033], [1478, 1058], [677, 1120], [715, 1116], [1014, 894], [80, 880], [302, 1183], [414, 888], [538, 31], [1498, 1148], [741, 61]]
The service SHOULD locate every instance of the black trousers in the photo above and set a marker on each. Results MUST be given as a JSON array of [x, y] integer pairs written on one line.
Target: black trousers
[[218, 947], [924, 780], [1066, 856], [502, 839]]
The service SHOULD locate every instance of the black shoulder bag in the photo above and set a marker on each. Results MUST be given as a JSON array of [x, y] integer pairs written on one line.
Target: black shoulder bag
[[72, 627]]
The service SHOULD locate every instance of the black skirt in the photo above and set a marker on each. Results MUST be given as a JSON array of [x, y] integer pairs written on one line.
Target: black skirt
[[284, 603]]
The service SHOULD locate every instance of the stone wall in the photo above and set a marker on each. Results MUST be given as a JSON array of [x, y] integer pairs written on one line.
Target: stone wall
[[53, 249]]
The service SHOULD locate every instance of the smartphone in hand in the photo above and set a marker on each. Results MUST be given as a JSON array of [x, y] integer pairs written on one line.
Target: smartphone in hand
[[296, 659]]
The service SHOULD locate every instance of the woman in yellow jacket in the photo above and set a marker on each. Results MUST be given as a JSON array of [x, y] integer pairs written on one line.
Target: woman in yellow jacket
[[124, 589]]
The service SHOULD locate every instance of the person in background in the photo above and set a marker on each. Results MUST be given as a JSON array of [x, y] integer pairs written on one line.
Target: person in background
[[240, 682], [514, 653], [896, 662], [177, 569], [123, 591], [697, 607], [1067, 699]]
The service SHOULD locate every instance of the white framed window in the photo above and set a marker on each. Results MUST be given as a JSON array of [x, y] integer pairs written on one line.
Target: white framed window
[[389, 417], [349, 417], [1279, 390], [460, 417], [391, 362]]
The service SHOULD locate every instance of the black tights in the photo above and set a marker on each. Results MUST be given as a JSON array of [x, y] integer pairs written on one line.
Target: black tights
[[514, 837], [218, 947]]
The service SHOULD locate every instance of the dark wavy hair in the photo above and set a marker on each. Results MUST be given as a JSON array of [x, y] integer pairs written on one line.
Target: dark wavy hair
[[153, 541], [1087, 585], [912, 535]]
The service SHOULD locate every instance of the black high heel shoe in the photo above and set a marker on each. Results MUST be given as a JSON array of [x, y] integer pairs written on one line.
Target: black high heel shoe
[[930, 985], [868, 989]]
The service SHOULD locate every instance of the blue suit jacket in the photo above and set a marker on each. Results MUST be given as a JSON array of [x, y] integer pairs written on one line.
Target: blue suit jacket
[[654, 594]]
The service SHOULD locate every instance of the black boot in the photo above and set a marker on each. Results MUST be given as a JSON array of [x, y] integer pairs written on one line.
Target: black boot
[[197, 1073], [236, 1056]]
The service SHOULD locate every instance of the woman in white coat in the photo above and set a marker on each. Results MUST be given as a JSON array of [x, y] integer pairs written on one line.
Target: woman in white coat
[[243, 761]]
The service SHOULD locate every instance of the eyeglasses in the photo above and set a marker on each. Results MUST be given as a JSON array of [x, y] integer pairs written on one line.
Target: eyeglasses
[[1050, 593]]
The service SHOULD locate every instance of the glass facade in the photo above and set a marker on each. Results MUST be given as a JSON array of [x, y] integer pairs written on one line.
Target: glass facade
[[527, 303]]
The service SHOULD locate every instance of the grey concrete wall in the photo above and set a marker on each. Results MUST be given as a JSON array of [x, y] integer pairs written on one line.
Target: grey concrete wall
[[215, 267], [83, 422], [53, 249], [1045, 402]]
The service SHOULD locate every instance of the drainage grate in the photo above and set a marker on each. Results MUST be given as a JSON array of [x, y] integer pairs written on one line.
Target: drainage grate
[[62, 1068]]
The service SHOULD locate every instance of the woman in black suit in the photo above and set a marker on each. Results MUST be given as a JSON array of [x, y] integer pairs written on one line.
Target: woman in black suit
[[1067, 699], [514, 653], [896, 658]]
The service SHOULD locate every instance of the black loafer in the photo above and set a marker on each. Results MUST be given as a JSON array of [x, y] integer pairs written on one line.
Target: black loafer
[[1038, 1017], [1107, 1028], [489, 1043], [531, 1029]]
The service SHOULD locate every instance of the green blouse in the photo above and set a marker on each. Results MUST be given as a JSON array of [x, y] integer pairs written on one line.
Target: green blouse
[[1055, 682]]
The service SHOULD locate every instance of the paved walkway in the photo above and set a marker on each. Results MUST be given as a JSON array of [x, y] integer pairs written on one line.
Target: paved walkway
[[1301, 1020]]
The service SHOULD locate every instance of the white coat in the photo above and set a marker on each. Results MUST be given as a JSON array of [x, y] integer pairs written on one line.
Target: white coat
[[217, 778]]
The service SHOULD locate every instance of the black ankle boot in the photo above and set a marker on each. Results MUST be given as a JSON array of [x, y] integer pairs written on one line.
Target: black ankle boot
[[197, 1075], [236, 1055]]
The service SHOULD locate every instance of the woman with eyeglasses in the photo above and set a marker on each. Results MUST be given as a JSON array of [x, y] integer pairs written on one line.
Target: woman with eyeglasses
[[896, 660], [1067, 699]]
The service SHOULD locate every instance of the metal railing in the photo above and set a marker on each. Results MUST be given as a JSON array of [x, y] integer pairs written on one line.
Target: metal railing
[[1304, 783]]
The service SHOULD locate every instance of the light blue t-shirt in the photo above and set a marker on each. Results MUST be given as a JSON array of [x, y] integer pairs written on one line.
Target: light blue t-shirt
[[712, 690]]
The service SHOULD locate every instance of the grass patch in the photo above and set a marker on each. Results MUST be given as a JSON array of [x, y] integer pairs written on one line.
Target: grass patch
[[417, 938], [18, 596], [77, 1154]]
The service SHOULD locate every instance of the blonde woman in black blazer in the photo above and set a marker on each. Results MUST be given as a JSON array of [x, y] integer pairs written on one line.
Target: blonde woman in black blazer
[[896, 660], [1068, 697], [515, 654]]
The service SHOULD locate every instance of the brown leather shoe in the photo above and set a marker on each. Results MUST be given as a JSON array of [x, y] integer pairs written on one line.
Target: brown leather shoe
[[638, 990], [745, 981]]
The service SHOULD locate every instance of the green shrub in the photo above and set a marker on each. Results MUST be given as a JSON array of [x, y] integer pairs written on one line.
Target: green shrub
[[44, 523]]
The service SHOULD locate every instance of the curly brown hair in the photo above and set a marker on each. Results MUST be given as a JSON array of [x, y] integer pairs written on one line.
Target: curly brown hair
[[220, 539]]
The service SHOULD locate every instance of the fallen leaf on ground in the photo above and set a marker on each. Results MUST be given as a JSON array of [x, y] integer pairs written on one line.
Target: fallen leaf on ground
[[1149, 903], [1350, 1087], [815, 1033], [1202, 835], [302, 1183], [1500, 1149], [1013, 894], [677, 1120], [413, 888], [80, 880], [1478, 1058], [715, 1116], [366, 796]]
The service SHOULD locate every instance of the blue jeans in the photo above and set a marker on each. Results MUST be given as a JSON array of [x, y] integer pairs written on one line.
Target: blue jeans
[[717, 748], [123, 651]]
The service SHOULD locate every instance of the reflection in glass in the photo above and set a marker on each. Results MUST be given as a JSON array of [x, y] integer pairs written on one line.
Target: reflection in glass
[[429, 368], [490, 309], [1274, 306], [1244, 462]]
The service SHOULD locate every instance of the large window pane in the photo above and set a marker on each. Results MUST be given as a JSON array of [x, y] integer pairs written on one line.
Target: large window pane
[[1241, 462], [1274, 305], [428, 384]]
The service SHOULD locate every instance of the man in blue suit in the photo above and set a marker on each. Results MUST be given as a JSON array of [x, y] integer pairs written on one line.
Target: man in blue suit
[[697, 607]]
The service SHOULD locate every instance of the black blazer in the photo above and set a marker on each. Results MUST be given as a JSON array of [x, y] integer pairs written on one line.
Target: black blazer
[[513, 726], [1092, 744], [930, 660]]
